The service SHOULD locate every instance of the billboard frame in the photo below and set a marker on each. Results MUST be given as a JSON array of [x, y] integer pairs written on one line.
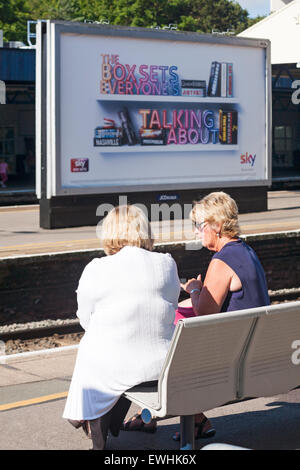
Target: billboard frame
[[48, 121]]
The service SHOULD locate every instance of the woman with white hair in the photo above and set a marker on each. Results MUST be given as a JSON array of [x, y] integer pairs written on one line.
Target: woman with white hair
[[126, 305]]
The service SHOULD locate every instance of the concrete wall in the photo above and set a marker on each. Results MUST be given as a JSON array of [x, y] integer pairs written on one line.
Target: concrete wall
[[33, 288], [278, 4], [282, 28]]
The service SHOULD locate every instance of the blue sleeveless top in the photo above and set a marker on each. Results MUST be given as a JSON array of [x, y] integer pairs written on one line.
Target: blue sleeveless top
[[243, 260]]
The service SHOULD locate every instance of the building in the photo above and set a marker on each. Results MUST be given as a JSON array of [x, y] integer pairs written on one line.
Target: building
[[17, 98], [17, 117], [282, 28]]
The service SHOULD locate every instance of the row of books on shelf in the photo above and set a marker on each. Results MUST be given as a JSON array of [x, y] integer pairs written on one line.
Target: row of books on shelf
[[220, 83], [228, 127], [111, 135], [221, 80], [193, 88], [118, 136]]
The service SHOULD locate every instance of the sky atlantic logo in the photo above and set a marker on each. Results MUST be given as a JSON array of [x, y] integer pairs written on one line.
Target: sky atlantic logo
[[79, 165], [248, 159]]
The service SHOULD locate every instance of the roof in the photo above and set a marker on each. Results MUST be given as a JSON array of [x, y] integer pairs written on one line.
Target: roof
[[267, 19], [17, 65], [282, 28]]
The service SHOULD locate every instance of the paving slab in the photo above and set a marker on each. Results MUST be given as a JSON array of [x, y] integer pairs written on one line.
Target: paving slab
[[261, 424], [21, 234], [40, 366]]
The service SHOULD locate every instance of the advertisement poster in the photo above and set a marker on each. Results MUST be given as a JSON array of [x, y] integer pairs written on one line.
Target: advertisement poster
[[141, 113]]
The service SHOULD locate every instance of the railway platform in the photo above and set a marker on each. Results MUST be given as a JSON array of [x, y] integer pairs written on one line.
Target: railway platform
[[33, 390], [20, 233], [34, 386]]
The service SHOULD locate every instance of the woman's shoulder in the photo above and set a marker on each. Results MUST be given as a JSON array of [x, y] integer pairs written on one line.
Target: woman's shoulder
[[134, 250], [162, 257], [95, 264], [234, 246], [152, 257]]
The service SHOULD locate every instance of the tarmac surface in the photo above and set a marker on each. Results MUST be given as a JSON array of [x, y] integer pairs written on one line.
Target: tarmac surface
[[33, 390], [33, 387], [21, 234]]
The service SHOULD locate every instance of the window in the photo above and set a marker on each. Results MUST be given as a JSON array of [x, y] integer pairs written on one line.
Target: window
[[286, 146], [283, 146], [7, 141]]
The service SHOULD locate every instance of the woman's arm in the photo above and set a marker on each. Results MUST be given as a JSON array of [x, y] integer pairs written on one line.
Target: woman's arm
[[85, 295], [85, 309], [214, 291]]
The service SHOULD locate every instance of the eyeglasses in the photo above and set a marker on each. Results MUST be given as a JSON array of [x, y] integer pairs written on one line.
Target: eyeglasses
[[199, 226]]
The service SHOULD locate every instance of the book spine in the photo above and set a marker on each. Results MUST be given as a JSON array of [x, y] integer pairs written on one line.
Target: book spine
[[201, 92], [224, 127], [215, 91], [107, 133], [146, 141], [223, 80], [234, 127], [223, 116], [221, 126], [153, 136], [229, 80], [229, 128], [193, 84], [211, 78], [127, 126], [112, 142]]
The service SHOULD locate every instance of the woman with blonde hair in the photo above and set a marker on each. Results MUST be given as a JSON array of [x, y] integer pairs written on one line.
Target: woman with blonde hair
[[235, 279], [126, 305]]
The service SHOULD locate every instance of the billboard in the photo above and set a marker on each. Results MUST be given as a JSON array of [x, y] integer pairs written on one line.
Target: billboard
[[131, 109]]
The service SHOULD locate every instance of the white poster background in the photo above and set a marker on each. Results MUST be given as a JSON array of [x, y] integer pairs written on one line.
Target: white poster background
[[139, 168]]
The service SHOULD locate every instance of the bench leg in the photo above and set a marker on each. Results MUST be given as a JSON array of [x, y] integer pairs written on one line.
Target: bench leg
[[187, 432]]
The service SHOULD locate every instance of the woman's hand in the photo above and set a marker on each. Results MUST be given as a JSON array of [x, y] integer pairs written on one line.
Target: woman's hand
[[192, 284]]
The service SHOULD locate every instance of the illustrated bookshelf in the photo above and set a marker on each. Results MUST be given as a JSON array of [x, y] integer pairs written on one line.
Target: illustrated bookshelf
[[125, 133]]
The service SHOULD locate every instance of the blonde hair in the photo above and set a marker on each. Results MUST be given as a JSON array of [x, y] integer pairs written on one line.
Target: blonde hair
[[126, 226], [218, 207]]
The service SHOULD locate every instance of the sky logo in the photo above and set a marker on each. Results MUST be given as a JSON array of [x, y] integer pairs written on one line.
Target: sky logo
[[79, 165], [248, 159]]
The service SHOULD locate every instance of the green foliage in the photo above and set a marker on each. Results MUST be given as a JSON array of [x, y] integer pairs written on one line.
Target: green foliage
[[197, 15], [13, 19], [252, 21]]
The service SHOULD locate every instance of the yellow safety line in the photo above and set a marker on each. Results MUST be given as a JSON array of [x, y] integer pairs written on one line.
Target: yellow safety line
[[266, 225], [60, 242], [33, 401], [4, 209], [172, 234]]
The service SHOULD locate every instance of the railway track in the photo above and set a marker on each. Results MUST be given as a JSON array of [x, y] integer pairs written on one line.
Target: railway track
[[285, 295], [41, 332], [27, 338]]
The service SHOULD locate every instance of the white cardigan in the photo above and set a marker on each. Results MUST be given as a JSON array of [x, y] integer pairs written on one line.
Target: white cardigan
[[126, 304]]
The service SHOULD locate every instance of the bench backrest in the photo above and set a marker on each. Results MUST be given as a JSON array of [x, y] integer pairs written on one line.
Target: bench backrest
[[220, 358], [269, 368]]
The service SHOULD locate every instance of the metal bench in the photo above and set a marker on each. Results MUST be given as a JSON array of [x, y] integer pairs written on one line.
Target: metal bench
[[222, 358]]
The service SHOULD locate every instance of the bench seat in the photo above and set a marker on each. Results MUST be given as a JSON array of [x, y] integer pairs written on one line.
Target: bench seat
[[223, 358]]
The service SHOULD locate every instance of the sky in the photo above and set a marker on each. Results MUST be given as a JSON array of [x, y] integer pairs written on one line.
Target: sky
[[256, 7]]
